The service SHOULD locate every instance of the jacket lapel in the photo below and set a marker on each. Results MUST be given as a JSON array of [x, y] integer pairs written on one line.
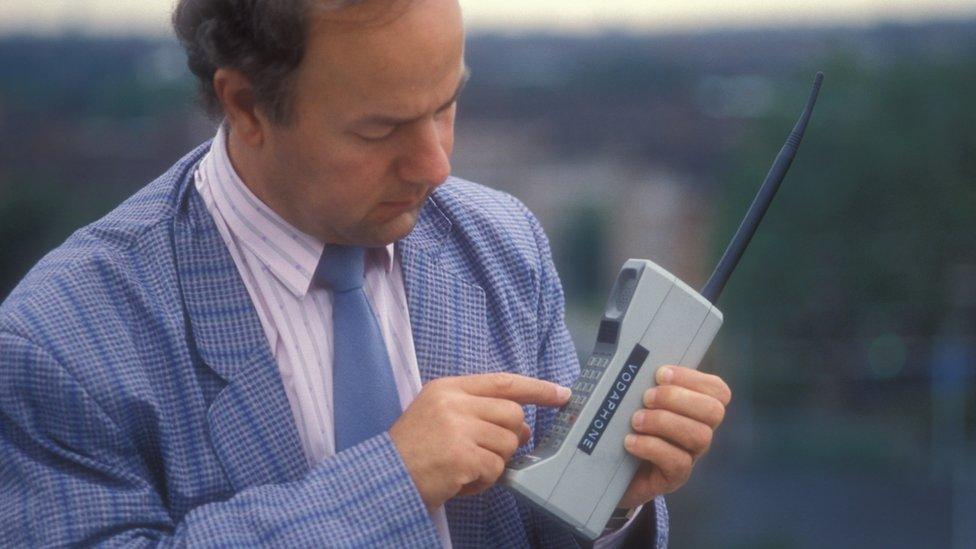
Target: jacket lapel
[[251, 425], [448, 319], [447, 313]]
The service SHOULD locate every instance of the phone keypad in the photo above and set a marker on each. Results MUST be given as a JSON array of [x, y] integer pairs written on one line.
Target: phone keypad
[[584, 386]]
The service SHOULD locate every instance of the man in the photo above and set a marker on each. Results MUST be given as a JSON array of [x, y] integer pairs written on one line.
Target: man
[[306, 333]]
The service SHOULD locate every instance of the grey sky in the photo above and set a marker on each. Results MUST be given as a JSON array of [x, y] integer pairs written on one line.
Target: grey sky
[[151, 16]]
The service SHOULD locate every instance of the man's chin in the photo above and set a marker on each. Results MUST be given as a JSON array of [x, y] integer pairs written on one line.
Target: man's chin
[[392, 230]]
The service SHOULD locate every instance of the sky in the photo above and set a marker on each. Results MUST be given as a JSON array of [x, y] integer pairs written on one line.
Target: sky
[[129, 17]]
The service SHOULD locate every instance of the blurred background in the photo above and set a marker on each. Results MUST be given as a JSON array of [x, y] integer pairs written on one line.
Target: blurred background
[[637, 129]]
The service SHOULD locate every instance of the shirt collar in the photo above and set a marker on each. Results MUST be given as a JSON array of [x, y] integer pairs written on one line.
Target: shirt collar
[[288, 253]]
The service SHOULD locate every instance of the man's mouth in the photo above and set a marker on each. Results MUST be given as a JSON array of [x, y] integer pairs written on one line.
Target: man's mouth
[[402, 205], [408, 203]]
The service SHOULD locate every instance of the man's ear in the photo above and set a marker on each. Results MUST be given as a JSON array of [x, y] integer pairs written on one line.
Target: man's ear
[[236, 96]]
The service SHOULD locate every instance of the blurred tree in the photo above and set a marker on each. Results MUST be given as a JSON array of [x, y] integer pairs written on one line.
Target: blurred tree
[[581, 254], [853, 261], [36, 217]]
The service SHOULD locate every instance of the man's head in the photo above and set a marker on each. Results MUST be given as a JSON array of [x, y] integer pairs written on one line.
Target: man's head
[[341, 112]]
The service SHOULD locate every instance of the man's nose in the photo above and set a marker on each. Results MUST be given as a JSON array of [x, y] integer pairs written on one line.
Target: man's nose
[[426, 160]]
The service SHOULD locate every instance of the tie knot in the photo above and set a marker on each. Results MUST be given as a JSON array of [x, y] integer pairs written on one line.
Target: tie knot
[[341, 267]]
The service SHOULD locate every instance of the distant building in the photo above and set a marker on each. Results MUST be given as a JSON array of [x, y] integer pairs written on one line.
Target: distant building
[[651, 214]]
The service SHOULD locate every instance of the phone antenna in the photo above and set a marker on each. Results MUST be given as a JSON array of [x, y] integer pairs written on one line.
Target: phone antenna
[[716, 283]]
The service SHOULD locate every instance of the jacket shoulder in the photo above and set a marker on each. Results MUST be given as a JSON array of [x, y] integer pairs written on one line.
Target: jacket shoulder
[[491, 219], [499, 245]]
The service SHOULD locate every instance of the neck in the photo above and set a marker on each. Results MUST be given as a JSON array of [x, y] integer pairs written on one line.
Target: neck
[[250, 167]]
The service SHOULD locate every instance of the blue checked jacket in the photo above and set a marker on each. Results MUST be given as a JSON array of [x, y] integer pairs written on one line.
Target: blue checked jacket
[[140, 403]]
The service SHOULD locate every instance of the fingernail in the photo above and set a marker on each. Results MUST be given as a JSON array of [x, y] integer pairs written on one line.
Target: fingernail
[[664, 374], [564, 392], [631, 441], [649, 397], [639, 418]]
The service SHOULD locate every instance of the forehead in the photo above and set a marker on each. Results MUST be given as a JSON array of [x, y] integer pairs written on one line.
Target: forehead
[[385, 50]]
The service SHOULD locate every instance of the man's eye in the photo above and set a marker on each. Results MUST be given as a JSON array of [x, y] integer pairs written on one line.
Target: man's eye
[[445, 111], [376, 135]]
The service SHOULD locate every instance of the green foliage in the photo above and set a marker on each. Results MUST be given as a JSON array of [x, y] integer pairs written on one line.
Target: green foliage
[[581, 253], [36, 217], [879, 206]]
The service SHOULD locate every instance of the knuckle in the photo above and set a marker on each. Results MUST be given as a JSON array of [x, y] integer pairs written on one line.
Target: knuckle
[[687, 462], [654, 421], [464, 474], [453, 426], [722, 391], [469, 470], [703, 439], [726, 394], [497, 467], [502, 381], [456, 454], [435, 397], [716, 413], [464, 477], [515, 412], [679, 466], [442, 402], [665, 394], [436, 385], [511, 444]]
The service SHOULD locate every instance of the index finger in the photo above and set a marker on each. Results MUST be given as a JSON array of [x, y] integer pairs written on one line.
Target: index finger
[[518, 388], [694, 380]]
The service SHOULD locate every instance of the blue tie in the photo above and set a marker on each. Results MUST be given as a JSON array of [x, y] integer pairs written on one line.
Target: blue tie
[[365, 397]]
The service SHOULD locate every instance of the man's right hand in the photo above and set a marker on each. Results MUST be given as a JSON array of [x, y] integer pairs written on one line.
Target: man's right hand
[[458, 434]]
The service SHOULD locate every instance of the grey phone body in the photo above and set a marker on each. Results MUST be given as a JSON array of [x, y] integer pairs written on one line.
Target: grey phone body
[[580, 469]]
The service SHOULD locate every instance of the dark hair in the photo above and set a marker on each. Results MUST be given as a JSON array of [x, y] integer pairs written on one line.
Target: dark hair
[[263, 39]]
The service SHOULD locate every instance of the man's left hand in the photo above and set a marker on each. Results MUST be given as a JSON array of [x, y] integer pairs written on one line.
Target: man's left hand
[[673, 430]]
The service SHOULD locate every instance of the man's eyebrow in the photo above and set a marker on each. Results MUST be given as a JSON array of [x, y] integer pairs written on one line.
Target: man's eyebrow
[[383, 120]]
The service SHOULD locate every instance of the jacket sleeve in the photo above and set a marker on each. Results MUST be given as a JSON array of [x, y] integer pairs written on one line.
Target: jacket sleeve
[[557, 361], [69, 476]]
